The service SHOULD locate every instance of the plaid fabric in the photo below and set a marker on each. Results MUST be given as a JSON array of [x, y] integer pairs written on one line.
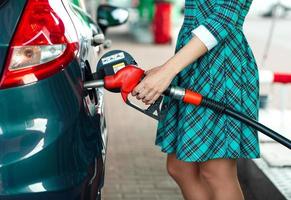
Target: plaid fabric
[[227, 73]]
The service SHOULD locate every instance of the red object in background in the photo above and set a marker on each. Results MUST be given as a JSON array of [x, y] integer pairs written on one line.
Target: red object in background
[[282, 78], [162, 23]]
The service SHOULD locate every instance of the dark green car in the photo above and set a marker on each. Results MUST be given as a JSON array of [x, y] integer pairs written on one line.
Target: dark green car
[[52, 131]]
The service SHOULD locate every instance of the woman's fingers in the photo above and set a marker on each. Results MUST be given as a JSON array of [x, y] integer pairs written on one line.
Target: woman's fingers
[[135, 92], [149, 97], [152, 86], [137, 89], [153, 100], [142, 94]]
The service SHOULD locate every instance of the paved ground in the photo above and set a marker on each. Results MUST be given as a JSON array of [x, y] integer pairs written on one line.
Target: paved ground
[[135, 167]]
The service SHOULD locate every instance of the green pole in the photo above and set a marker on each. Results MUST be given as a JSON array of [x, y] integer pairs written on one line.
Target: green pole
[[146, 10]]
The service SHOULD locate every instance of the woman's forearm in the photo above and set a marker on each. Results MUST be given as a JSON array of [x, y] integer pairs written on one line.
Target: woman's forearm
[[194, 49]]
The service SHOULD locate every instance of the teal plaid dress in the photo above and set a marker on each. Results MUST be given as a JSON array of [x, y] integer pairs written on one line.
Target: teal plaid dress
[[227, 73]]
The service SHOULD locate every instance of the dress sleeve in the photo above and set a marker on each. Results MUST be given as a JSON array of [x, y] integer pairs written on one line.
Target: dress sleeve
[[205, 36], [224, 18]]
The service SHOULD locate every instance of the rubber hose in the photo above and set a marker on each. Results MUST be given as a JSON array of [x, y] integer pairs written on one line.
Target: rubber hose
[[222, 108]]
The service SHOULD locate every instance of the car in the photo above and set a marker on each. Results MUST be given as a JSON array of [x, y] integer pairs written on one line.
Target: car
[[52, 131]]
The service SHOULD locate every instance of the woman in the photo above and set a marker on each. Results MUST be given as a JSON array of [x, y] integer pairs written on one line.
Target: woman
[[213, 58]]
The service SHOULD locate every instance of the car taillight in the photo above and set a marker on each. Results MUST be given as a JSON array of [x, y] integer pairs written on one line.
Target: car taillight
[[45, 42]]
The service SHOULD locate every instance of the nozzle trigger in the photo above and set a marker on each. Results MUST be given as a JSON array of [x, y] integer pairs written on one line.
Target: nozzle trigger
[[153, 110]]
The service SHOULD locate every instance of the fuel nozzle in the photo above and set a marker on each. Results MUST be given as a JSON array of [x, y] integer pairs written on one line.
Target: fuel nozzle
[[124, 80], [94, 84]]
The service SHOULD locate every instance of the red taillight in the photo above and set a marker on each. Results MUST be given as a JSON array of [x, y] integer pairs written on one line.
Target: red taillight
[[44, 43]]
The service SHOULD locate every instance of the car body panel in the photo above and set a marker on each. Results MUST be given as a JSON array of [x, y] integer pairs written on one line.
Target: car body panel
[[55, 126], [89, 29]]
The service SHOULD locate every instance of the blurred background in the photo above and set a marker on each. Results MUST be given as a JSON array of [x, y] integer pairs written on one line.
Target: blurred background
[[135, 167]]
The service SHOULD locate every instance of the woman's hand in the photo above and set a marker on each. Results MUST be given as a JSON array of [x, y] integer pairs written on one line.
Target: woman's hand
[[156, 81]]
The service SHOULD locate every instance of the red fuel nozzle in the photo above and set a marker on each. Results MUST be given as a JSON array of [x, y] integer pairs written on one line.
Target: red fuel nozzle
[[125, 79]]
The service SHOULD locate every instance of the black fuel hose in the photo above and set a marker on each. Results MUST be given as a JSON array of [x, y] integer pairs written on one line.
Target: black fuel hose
[[222, 108]]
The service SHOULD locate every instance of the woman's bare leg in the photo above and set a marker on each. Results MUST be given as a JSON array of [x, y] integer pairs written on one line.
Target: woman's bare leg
[[221, 176], [188, 178]]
